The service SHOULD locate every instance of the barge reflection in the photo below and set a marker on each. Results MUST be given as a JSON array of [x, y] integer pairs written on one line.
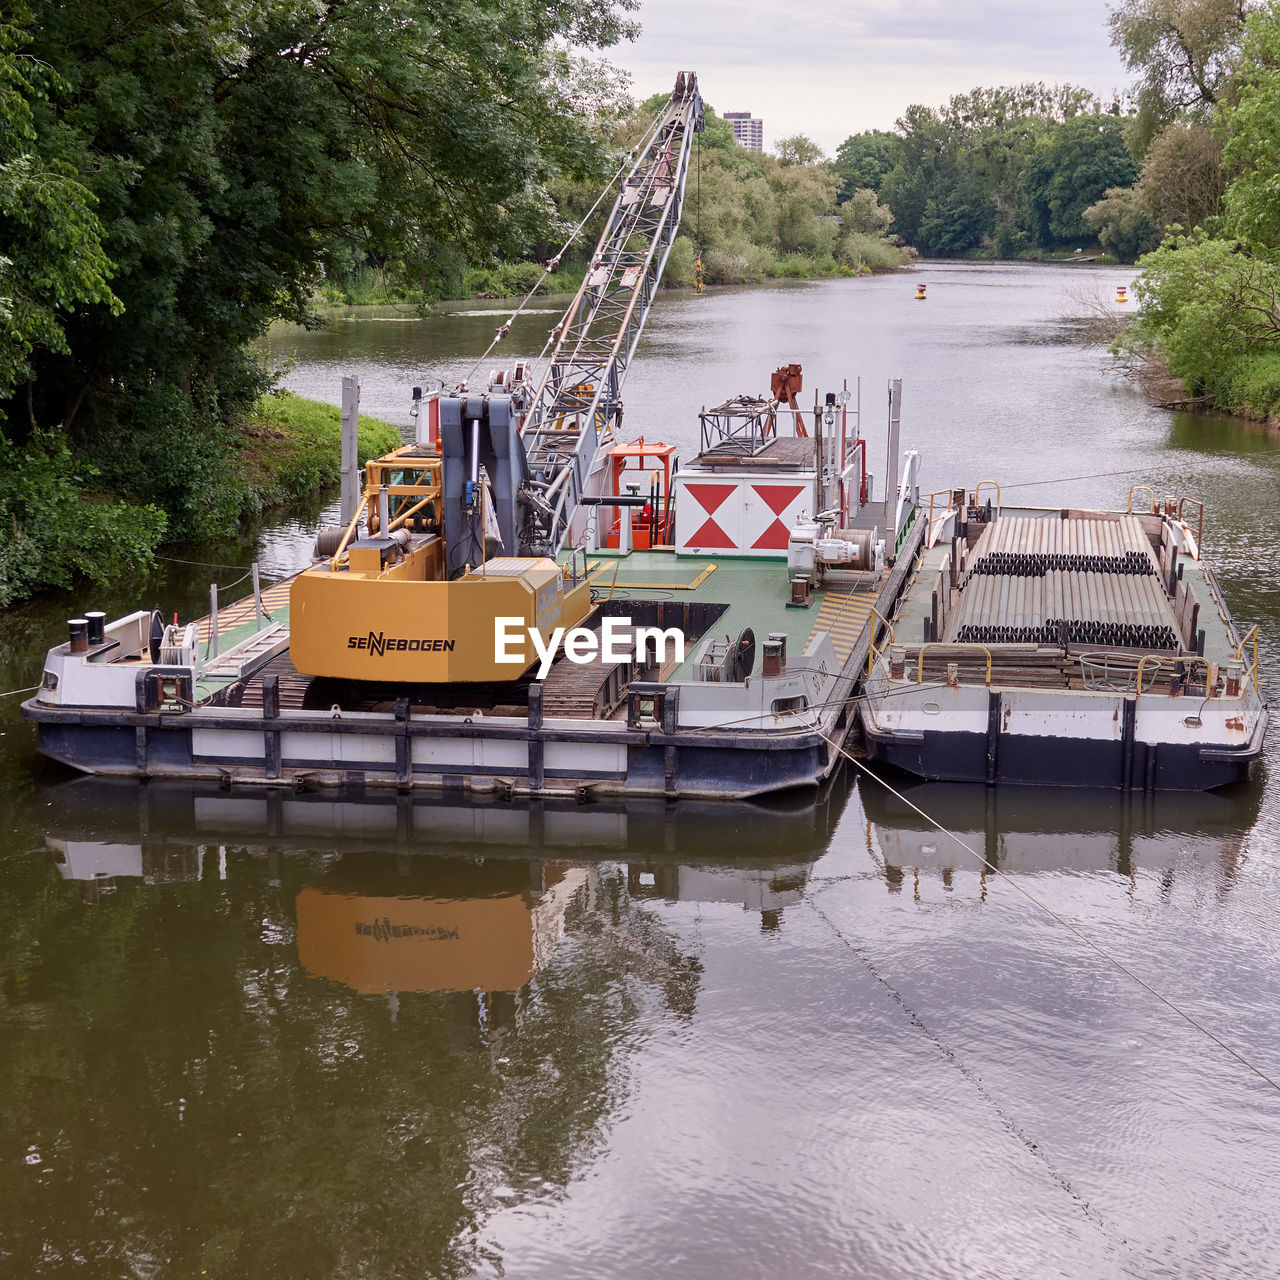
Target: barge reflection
[[393, 895], [1034, 830]]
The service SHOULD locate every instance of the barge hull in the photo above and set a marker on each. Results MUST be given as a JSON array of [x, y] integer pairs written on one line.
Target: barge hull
[[939, 755], [427, 757]]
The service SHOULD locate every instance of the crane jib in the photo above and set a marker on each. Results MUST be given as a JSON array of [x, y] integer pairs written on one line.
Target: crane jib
[[578, 402]]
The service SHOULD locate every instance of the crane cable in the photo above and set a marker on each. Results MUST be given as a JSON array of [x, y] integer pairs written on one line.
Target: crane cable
[[697, 205], [1049, 911], [553, 263]]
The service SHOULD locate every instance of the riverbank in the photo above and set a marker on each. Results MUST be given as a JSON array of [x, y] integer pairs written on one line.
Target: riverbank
[[754, 264], [291, 446], [64, 525]]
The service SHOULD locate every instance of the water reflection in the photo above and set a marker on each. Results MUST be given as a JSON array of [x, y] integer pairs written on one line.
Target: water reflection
[[1029, 831], [339, 1029]]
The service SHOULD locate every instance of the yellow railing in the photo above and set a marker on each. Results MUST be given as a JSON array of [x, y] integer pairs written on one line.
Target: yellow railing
[[1150, 492], [1191, 660], [977, 493], [1251, 670], [952, 647], [872, 652]]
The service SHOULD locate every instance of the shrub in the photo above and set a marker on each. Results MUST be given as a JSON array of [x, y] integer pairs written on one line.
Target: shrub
[[54, 532]]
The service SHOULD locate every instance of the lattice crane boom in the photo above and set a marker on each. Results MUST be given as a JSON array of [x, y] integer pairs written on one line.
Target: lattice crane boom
[[578, 403]]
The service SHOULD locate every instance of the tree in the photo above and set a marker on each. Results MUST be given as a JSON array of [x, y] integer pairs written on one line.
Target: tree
[[800, 150], [1070, 169], [863, 213], [1182, 178], [956, 181], [1120, 222], [1252, 126], [1184, 51], [238, 148], [864, 159], [51, 240]]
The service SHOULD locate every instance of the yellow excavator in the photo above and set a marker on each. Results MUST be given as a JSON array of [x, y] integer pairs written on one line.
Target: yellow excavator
[[459, 534]]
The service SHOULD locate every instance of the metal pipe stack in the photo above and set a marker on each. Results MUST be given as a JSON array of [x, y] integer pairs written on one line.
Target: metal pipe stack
[[1063, 581], [1023, 547]]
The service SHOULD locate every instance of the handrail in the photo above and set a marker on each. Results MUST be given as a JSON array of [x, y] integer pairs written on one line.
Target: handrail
[[943, 645], [1200, 525], [1190, 659], [947, 493], [1150, 492], [978, 490], [1252, 669], [872, 655]]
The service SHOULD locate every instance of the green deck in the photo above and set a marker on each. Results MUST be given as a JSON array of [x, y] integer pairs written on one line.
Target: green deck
[[756, 591]]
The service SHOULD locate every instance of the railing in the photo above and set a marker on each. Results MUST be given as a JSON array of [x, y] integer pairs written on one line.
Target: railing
[[1190, 661], [953, 648], [977, 493], [1104, 672], [938, 493], [1251, 670], [1199, 525], [872, 652], [1150, 492]]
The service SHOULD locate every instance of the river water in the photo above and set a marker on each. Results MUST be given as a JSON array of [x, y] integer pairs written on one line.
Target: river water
[[245, 1036]]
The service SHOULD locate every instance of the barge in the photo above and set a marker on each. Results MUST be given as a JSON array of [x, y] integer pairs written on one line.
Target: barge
[[772, 609], [1066, 647], [523, 604]]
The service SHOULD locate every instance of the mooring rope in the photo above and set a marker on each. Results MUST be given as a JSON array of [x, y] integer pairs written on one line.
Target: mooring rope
[[1053, 915]]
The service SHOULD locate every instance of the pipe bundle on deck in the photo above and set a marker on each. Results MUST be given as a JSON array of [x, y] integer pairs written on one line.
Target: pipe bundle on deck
[[1063, 581], [1028, 547]]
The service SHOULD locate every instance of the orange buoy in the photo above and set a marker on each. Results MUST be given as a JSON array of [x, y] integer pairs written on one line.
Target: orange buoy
[[920, 293], [1122, 293]]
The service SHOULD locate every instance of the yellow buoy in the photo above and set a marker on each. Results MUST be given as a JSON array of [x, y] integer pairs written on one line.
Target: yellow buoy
[[1122, 293], [919, 293]]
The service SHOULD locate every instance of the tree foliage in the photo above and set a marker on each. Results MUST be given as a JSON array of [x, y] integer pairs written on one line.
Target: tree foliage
[[956, 183], [1068, 171], [1184, 52], [864, 159], [1210, 301], [1120, 222], [1252, 126], [235, 150], [51, 255], [1182, 180]]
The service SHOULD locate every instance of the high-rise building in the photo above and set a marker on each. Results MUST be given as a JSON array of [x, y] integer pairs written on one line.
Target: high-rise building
[[747, 130]]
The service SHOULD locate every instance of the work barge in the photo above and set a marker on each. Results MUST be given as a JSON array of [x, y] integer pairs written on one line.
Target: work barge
[[774, 609]]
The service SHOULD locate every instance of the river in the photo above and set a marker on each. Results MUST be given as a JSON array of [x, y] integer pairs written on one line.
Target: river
[[297, 1038]]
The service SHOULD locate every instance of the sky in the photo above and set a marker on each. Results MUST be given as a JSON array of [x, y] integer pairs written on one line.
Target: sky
[[829, 70]]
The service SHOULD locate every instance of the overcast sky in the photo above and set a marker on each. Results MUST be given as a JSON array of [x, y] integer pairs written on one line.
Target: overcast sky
[[831, 70]]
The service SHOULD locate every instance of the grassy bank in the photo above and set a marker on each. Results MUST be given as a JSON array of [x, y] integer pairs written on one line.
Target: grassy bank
[[742, 263], [61, 522], [291, 446]]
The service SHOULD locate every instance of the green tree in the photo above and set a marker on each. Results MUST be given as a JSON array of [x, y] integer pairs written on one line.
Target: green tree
[[1184, 52], [800, 150], [956, 184], [1120, 222], [1252, 125], [864, 159], [863, 213], [51, 255], [238, 149], [1070, 169]]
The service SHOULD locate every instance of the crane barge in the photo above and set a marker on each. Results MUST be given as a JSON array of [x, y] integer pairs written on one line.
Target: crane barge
[[464, 526]]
